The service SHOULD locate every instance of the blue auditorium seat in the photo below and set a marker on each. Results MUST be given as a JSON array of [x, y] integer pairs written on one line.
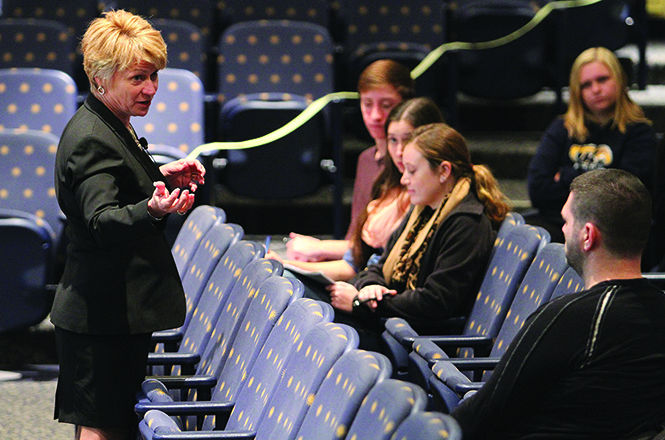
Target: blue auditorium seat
[[230, 285], [26, 248], [265, 339], [428, 425], [176, 113], [384, 408], [536, 288], [338, 399], [27, 167], [29, 42], [198, 222], [36, 99], [275, 412], [514, 249], [300, 56]]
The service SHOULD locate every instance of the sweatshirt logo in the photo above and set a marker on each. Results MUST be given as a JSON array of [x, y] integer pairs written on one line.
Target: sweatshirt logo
[[590, 156]]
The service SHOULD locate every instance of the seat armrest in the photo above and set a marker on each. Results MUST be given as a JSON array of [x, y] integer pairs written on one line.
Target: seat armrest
[[186, 408], [186, 382], [486, 363], [173, 358], [174, 335], [459, 341]]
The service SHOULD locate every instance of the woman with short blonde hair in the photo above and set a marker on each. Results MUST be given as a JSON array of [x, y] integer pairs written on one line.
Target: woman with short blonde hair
[[120, 282]]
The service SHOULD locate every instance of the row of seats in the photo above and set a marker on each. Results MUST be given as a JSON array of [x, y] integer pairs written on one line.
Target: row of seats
[[256, 359], [361, 32], [45, 100], [524, 272]]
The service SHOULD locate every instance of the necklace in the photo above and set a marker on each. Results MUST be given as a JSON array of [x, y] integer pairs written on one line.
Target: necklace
[[138, 144], [136, 139]]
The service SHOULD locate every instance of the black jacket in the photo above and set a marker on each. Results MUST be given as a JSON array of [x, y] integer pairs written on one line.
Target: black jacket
[[119, 277], [451, 271]]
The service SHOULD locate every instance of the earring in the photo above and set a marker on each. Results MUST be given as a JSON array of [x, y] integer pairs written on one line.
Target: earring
[[101, 90]]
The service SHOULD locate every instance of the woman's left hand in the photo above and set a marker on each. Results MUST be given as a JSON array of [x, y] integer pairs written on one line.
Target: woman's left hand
[[374, 293], [162, 202], [341, 295], [184, 173]]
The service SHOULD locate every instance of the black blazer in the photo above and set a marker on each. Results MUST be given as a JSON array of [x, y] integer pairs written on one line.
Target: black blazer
[[119, 277]]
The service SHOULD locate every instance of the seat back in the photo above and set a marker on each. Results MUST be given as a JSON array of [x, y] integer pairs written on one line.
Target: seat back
[[252, 172], [341, 393], [536, 288], [214, 244], [28, 161], [29, 42], [36, 99], [300, 56], [404, 31], [397, 329], [225, 327], [304, 371], [384, 408], [570, 282], [297, 320], [314, 11], [200, 13], [198, 222], [26, 247], [223, 289], [75, 14], [176, 116], [187, 46], [530, 68], [600, 24], [512, 257], [273, 405], [275, 296], [428, 425], [508, 224]]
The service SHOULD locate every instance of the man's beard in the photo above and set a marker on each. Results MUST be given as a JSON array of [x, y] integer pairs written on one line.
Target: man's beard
[[574, 257]]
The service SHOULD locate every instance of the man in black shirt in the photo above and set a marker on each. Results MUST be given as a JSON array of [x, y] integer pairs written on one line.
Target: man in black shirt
[[592, 364]]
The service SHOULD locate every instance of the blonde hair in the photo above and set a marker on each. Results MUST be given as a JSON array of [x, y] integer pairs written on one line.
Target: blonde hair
[[625, 110], [117, 41], [439, 142]]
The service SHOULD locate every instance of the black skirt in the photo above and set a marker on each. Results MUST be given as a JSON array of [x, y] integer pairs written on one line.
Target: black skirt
[[99, 378]]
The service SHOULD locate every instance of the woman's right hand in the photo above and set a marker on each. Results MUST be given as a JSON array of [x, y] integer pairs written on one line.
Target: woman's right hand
[[303, 248], [162, 202]]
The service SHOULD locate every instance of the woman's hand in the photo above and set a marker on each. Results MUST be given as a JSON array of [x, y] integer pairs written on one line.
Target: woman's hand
[[374, 293], [274, 256], [184, 173], [341, 295], [162, 202], [303, 248]]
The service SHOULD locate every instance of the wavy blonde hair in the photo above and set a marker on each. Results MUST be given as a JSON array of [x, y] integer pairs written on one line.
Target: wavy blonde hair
[[440, 142], [117, 41], [625, 110]]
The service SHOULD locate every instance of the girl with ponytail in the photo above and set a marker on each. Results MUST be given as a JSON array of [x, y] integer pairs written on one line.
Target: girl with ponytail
[[435, 261]]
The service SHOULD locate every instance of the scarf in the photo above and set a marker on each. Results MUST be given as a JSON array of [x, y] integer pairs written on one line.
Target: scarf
[[403, 262]]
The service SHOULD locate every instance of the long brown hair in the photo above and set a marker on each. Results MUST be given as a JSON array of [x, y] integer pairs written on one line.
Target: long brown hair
[[440, 142], [417, 112], [625, 110]]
